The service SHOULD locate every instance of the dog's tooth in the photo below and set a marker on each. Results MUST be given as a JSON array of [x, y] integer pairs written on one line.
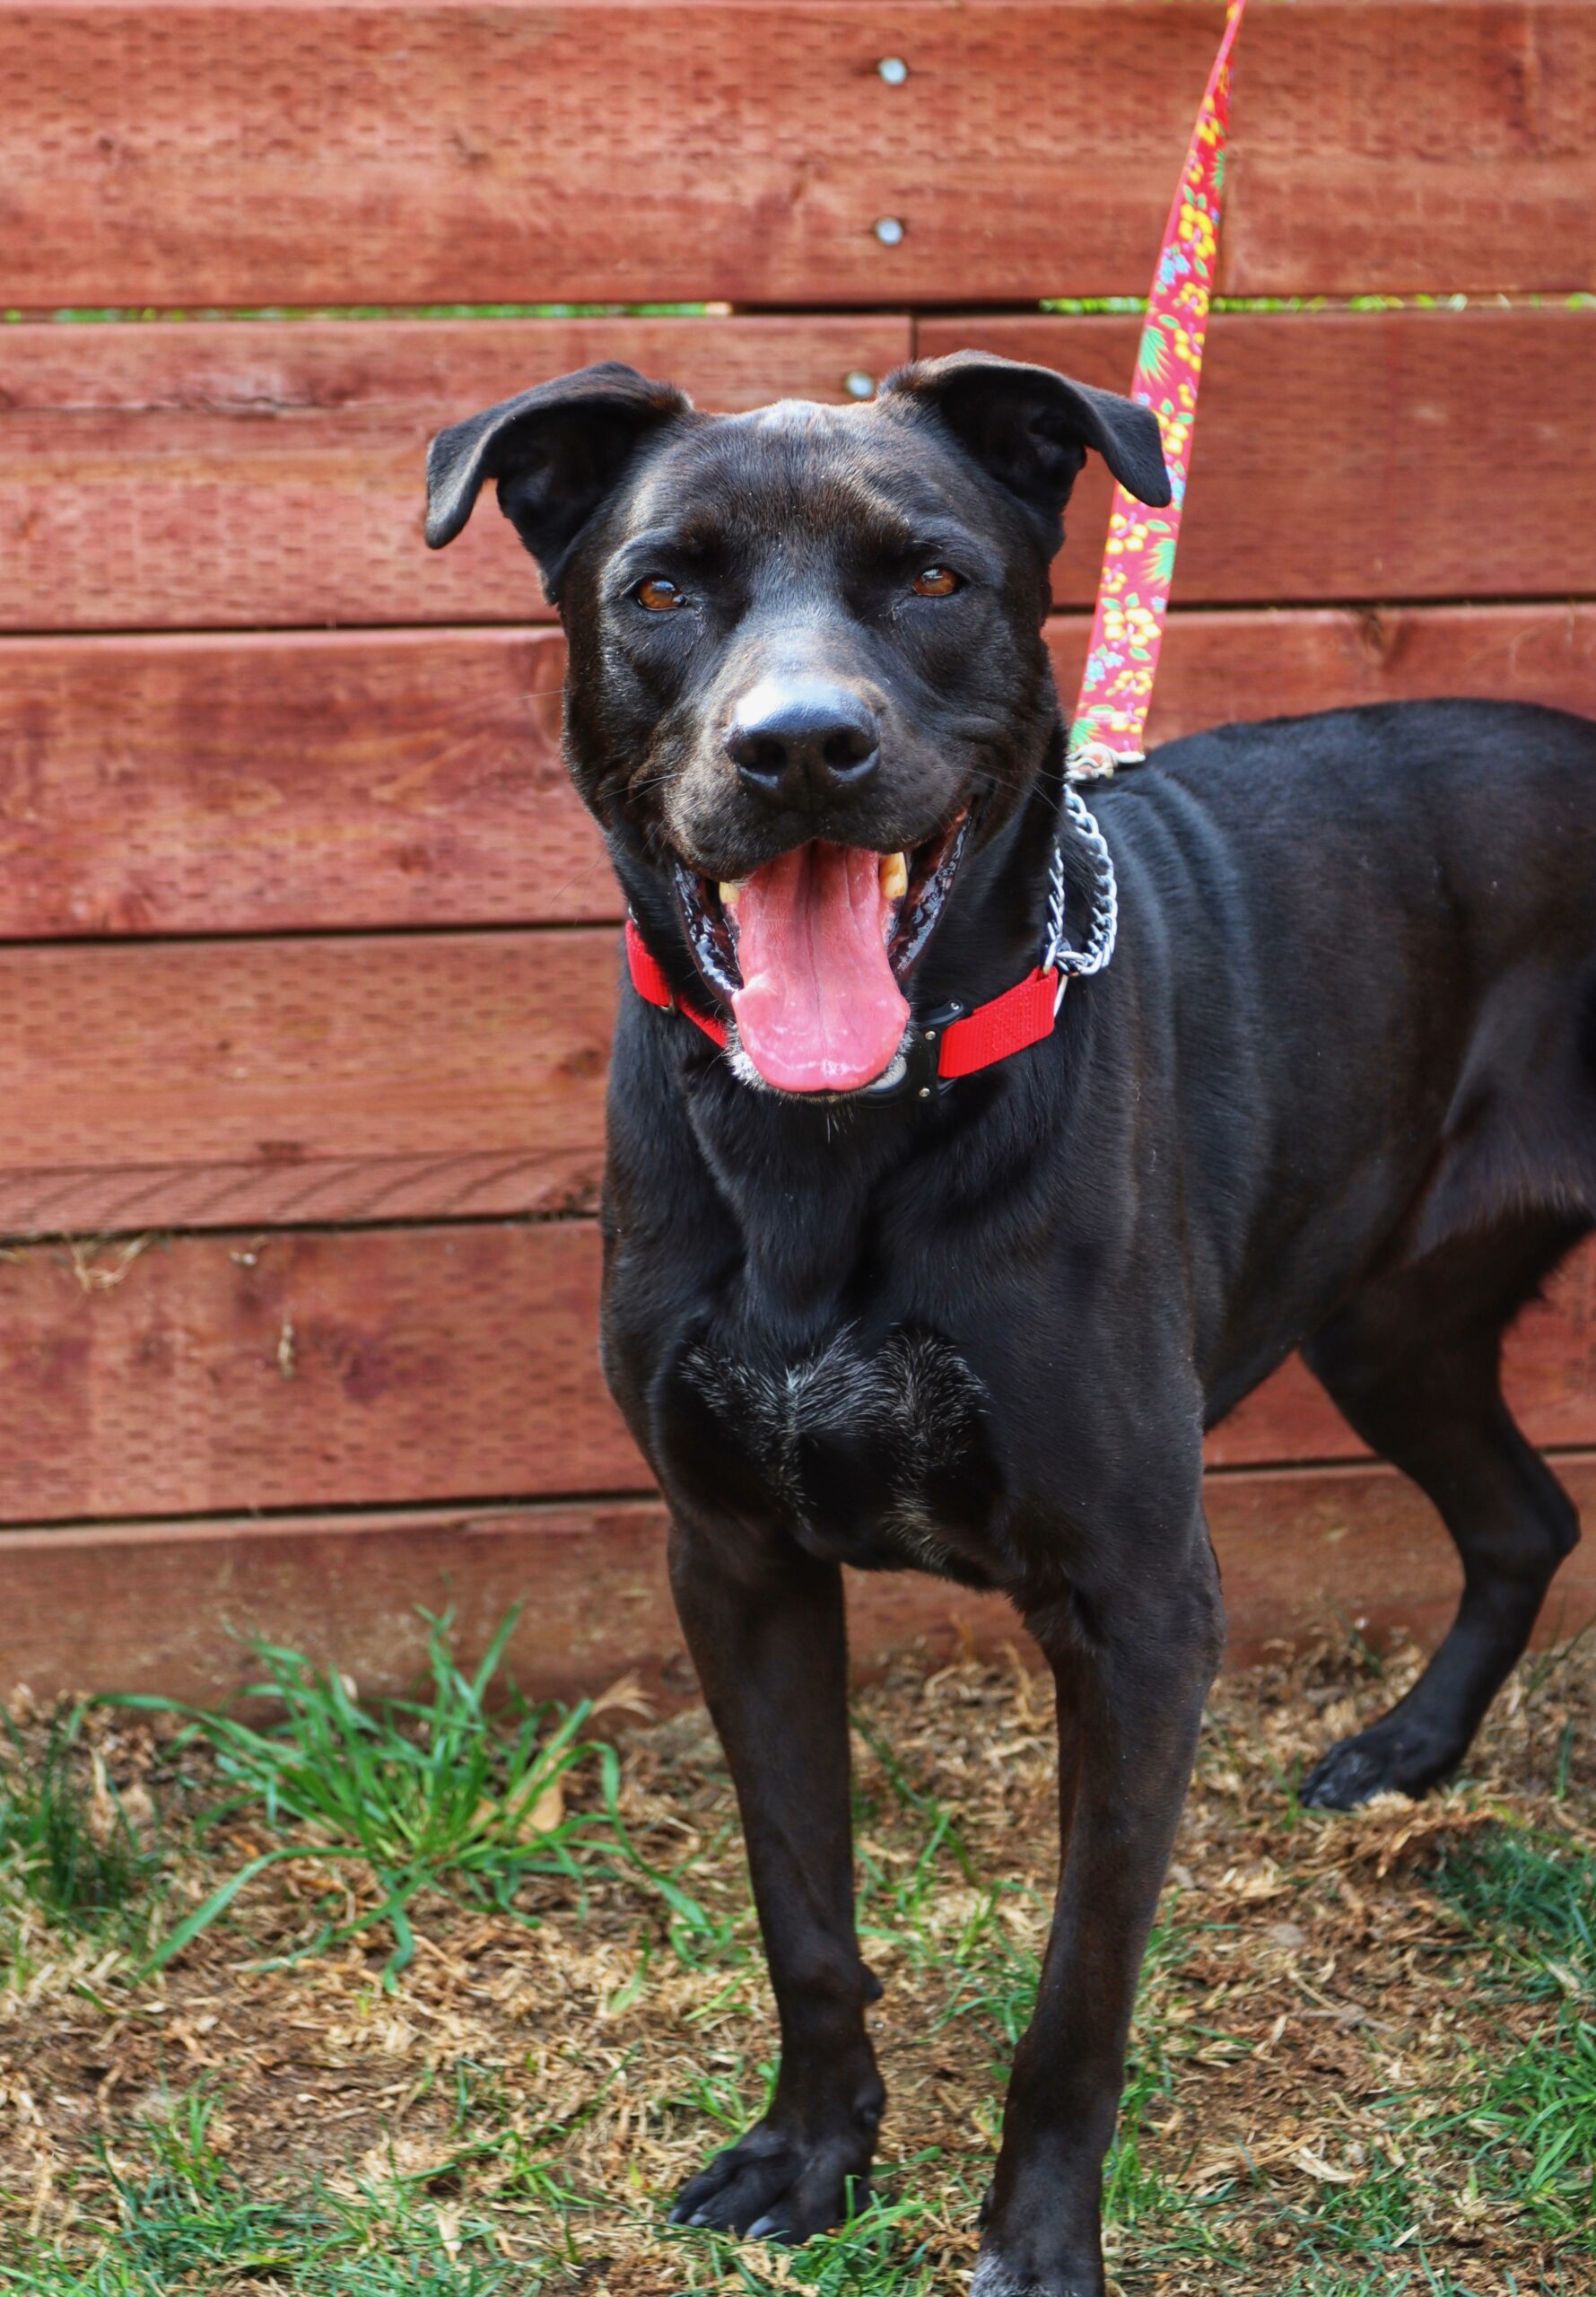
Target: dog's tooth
[[731, 892], [895, 876]]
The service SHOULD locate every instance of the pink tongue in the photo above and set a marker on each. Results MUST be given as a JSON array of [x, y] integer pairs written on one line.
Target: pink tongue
[[819, 1010]]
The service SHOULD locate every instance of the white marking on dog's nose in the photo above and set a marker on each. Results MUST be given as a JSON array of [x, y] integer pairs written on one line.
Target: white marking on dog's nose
[[797, 736]]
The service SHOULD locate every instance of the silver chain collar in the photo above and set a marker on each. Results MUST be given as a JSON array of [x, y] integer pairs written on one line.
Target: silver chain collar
[[1075, 964]]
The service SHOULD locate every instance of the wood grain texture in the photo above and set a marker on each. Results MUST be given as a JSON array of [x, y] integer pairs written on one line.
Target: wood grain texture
[[210, 153], [148, 1607], [392, 1366], [156, 476], [1218, 666], [1353, 454], [208, 1083], [265, 783], [301, 782], [309, 1370], [270, 475], [1549, 1375]]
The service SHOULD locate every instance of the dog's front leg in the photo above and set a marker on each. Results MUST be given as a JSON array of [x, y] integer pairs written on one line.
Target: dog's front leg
[[765, 1627], [1133, 1665]]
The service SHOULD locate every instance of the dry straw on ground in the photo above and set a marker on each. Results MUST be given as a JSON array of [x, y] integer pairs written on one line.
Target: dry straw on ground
[[1322, 2089]]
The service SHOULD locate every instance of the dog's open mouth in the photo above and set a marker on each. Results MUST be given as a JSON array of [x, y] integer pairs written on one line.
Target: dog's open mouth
[[812, 950]]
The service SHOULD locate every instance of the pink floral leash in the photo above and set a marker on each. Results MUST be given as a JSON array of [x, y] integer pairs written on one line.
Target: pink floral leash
[[1139, 559]]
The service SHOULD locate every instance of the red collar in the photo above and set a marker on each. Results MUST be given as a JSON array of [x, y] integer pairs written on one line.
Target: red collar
[[943, 1045]]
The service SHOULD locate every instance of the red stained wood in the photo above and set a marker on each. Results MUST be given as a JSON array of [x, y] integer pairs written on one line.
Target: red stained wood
[[1218, 666], [1550, 1377], [270, 474], [262, 783], [1353, 454], [306, 1369], [1303, 1552], [162, 1607], [299, 153], [207, 1083], [158, 477], [265, 783], [394, 1366]]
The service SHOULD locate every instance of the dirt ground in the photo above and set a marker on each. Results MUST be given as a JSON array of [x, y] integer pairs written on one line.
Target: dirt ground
[[1365, 2058]]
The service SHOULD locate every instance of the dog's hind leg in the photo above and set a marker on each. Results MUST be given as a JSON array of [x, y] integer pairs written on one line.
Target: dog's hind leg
[[1414, 1361]]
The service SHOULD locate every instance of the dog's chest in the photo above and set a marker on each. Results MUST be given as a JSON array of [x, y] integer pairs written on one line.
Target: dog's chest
[[875, 1457]]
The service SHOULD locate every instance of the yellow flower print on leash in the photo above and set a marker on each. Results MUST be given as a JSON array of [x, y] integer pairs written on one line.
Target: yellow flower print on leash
[[1139, 557]]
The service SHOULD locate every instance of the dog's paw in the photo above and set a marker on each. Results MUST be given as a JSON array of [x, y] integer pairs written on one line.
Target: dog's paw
[[774, 2188], [1381, 1760], [994, 2278]]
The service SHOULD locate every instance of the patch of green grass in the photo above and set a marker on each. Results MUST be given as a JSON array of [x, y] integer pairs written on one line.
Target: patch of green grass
[[1525, 2126], [1530, 1899], [1418, 2278], [890, 2250], [1529, 2129], [1073, 306], [1098, 306], [180, 2219], [66, 1838], [428, 1792], [116, 315], [1374, 2217]]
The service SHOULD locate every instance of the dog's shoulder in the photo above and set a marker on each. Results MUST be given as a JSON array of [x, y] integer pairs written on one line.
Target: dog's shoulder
[[1458, 779]]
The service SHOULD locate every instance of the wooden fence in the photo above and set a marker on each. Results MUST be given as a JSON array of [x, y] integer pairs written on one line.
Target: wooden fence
[[306, 950]]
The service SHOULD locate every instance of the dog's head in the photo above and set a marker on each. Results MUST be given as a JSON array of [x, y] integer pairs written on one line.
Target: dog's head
[[807, 670]]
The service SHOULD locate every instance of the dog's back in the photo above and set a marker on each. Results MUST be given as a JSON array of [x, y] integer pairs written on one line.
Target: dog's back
[[1415, 879]]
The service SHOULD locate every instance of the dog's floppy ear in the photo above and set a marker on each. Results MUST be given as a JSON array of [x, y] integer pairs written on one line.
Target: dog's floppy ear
[[1029, 429], [555, 451]]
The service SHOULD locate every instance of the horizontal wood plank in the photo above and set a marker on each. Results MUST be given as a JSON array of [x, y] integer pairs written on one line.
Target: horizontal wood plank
[[267, 783], [309, 1369], [1550, 1376], [210, 1374], [1218, 666], [1304, 1553], [234, 475], [270, 475], [209, 1083], [1349, 454], [300, 782], [210, 153]]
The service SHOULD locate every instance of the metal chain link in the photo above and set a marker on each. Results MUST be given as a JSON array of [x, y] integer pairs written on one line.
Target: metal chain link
[[1075, 964]]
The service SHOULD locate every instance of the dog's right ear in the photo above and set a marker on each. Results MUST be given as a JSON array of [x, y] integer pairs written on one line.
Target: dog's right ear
[[556, 452]]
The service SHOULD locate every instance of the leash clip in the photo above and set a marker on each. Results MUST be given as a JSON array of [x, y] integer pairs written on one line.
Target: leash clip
[[915, 1074]]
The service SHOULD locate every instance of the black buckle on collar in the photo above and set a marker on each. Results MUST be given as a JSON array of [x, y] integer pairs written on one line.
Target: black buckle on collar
[[916, 1078]]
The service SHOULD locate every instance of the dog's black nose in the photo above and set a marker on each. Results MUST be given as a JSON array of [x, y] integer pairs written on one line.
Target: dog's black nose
[[793, 740]]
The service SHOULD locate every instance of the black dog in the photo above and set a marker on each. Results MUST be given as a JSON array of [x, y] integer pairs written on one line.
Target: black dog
[[1336, 1089]]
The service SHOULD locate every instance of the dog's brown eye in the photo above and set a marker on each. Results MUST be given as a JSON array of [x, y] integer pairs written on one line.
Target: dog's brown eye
[[936, 582], [659, 595]]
